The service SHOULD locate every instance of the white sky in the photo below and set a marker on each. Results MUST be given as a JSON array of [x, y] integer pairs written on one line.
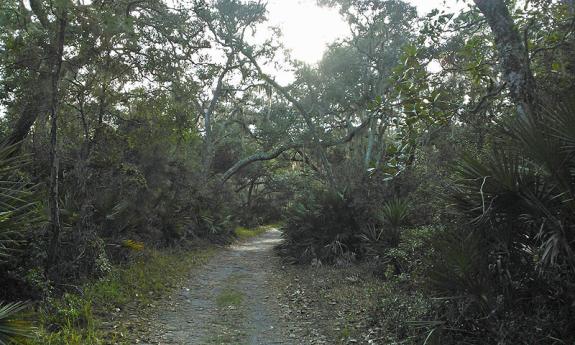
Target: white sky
[[308, 28]]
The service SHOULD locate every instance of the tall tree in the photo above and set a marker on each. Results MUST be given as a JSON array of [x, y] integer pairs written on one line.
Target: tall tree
[[61, 23]]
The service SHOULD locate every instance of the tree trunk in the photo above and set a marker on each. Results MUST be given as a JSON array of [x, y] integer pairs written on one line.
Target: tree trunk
[[38, 99], [381, 155], [513, 54], [35, 105], [370, 143], [55, 226], [250, 191], [208, 149]]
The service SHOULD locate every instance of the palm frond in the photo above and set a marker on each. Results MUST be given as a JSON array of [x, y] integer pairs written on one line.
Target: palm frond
[[523, 193], [11, 328], [395, 211], [18, 210]]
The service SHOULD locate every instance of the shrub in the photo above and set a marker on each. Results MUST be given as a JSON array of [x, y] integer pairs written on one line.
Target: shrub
[[508, 275], [18, 210], [410, 257], [394, 213], [402, 305], [321, 227]]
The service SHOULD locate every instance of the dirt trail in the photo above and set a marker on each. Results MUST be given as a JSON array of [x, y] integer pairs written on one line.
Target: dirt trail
[[227, 301]]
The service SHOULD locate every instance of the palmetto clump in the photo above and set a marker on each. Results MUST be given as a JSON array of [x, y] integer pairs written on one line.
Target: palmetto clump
[[321, 227], [522, 197], [515, 258], [17, 210], [394, 214]]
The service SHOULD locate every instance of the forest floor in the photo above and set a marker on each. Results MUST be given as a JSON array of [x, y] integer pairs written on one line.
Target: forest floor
[[245, 295]]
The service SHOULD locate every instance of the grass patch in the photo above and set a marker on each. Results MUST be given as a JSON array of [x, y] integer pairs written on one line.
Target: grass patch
[[228, 324], [228, 327], [245, 233], [233, 337], [78, 318], [229, 297]]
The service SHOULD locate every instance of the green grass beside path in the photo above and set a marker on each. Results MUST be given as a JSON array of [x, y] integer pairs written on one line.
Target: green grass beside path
[[246, 233], [83, 317], [91, 315]]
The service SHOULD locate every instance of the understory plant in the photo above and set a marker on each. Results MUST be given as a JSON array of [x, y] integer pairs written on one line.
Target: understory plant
[[393, 215], [328, 227], [383, 236], [321, 227], [12, 328], [18, 211], [506, 274]]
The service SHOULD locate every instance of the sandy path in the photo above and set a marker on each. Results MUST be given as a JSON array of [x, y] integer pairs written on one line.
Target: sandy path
[[227, 301]]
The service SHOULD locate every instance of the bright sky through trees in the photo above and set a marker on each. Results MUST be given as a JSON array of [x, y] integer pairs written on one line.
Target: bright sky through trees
[[307, 28]]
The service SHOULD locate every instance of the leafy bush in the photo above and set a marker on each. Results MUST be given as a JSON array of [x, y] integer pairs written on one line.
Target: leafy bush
[[394, 213], [381, 240], [325, 227], [402, 304], [409, 257]]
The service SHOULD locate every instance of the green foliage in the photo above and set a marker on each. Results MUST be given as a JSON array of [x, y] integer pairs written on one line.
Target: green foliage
[[18, 209], [12, 328], [401, 302], [461, 267], [76, 317], [398, 310], [244, 233], [393, 214], [522, 195], [229, 297], [143, 137], [381, 238], [519, 243]]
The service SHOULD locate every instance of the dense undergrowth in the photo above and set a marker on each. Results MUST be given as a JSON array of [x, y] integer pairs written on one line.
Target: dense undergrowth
[[495, 265]]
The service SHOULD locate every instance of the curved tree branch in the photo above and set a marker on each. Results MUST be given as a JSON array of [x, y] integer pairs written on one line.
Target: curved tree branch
[[300, 108], [260, 156], [265, 156]]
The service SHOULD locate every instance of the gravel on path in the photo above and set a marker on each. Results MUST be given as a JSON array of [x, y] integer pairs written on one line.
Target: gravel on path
[[230, 300]]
